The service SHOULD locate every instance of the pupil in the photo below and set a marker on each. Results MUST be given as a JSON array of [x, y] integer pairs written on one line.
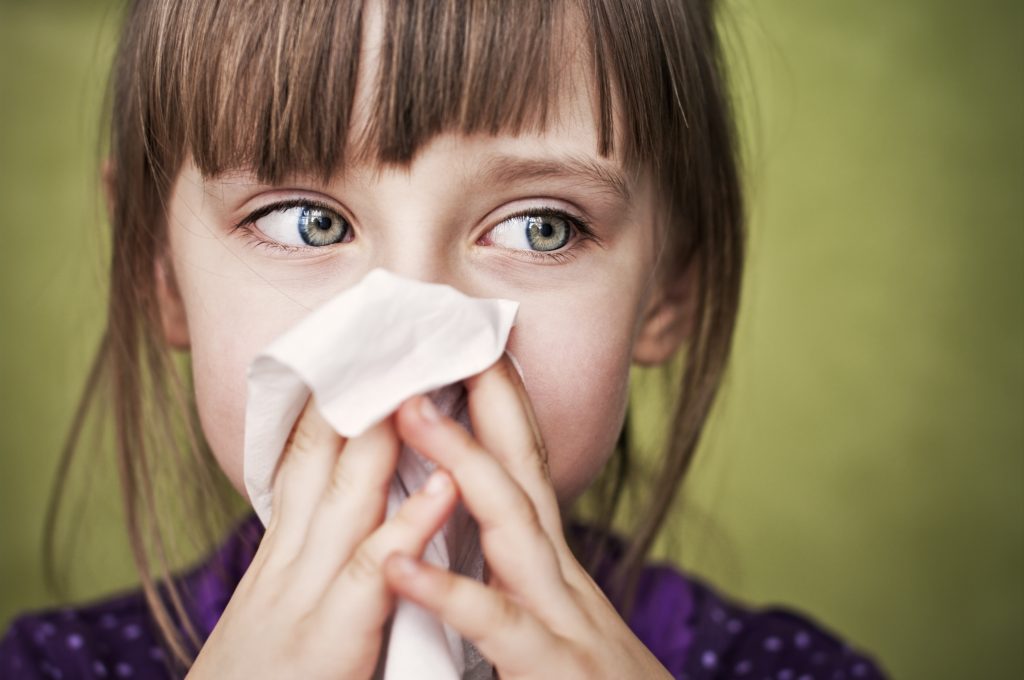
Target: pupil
[[546, 230], [322, 222]]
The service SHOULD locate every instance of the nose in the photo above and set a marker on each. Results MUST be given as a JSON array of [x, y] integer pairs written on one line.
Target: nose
[[412, 250], [417, 226], [424, 250]]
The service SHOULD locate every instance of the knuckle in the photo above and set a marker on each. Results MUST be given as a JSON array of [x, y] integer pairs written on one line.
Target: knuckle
[[301, 439], [506, 617], [539, 458], [448, 591], [485, 466], [524, 513], [363, 566], [276, 568], [271, 563], [342, 483], [273, 556], [584, 660], [404, 521], [508, 614], [516, 513], [264, 591], [298, 647]]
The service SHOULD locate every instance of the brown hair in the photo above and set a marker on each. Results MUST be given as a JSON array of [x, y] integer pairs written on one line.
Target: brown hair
[[269, 86]]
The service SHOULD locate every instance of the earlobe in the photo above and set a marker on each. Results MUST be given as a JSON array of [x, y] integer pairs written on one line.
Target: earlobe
[[668, 320], [172, 308]]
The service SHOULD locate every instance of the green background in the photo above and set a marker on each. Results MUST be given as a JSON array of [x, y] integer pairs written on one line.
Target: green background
[[866, 461]]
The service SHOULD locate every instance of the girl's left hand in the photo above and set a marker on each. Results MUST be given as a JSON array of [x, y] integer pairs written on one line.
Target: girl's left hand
[[540, 615]]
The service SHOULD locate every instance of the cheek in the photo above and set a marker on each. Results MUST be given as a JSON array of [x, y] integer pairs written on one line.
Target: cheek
[[223, 346], [219, 362], [576, 361], [232, 315]]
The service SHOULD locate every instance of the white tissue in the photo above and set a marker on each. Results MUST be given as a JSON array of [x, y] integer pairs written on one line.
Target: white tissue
[[361, 355]]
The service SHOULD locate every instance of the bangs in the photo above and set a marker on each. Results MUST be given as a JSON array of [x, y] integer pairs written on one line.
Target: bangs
[[271, 86]]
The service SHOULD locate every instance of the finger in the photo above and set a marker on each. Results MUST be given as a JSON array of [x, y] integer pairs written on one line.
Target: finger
[[504, 423], [509, 636], [302, 475], [352, 503], [360, 587], [517, 549]]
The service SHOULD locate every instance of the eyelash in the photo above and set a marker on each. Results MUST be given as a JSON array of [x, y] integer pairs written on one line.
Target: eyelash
[[578, 224], [248, 223], [582, 227]]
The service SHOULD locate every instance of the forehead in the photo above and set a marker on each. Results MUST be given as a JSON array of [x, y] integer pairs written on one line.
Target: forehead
[[374, 82]]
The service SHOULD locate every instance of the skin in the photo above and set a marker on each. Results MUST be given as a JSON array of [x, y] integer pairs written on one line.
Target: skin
[[578, 321], [323, 564]]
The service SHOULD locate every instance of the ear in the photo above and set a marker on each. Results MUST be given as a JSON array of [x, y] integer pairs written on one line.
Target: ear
[[172, 307], [668, 319]]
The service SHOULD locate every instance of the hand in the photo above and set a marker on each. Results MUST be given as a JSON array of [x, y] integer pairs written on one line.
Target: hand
[[540, 615], [314, 601]]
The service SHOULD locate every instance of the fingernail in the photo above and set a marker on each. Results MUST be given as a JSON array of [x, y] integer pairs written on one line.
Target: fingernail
[[428, 411], [436, 484]]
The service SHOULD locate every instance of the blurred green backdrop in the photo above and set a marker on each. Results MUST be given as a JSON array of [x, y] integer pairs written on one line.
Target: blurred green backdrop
[[866, 461]]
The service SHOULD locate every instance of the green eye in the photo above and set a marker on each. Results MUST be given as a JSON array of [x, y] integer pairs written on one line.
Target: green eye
[[542, 233], [319, 227], [304, 225], [547, 232]]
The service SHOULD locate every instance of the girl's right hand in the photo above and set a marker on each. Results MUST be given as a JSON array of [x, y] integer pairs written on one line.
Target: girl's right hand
[[314, 601]]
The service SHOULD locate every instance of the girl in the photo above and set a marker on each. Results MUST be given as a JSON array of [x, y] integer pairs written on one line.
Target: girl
[[574, 156]]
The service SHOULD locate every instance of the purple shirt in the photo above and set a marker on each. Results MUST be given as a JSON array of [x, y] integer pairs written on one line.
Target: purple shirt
[[695, 632]]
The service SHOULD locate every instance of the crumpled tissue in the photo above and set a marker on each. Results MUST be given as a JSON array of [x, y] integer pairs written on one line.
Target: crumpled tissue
[[361, 355]]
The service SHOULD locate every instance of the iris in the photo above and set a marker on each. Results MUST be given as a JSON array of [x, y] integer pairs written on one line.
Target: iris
[[320, 227], [547, 232]]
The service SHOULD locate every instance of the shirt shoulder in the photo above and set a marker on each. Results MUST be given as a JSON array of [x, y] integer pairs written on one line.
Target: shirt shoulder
[[114, 638], [118, 637], [700, 634]]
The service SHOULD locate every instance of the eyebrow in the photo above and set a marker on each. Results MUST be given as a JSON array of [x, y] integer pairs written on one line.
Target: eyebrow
[[508, 169]]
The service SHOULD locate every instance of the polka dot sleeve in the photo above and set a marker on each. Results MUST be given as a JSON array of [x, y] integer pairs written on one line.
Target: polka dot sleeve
[[117, 638], [17, 656], [728, 641], [112, 641]]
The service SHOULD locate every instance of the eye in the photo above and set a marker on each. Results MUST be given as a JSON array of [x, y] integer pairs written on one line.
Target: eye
[[303, 225], [542, 233]]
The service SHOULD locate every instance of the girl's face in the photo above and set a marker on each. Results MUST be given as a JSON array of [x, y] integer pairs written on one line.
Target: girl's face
[[249, 260]]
